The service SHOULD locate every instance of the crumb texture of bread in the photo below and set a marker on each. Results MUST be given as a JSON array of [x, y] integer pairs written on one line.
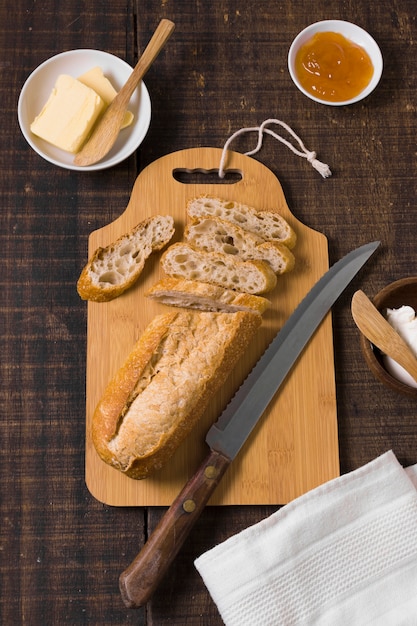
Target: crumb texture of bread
[[268, 225], [205, 297], [217, 235], [114, 269], [181, 260], [163, 388]]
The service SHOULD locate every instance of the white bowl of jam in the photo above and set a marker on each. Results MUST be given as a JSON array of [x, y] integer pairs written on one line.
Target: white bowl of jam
[[335, 62]]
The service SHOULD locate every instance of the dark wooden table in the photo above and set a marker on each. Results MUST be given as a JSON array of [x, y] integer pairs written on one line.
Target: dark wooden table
[[224, 68]]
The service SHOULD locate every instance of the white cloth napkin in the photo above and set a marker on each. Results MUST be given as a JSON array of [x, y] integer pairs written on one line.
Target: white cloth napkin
[[343, 554]]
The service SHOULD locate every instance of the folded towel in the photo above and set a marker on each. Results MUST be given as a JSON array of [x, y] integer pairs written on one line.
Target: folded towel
[[343, 554]]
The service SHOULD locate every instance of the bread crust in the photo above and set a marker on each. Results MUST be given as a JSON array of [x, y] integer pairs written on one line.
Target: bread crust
[[164, 386], [204, 296]]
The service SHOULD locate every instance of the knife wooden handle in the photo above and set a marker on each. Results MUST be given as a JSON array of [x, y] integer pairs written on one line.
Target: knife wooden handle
[[139, 581]]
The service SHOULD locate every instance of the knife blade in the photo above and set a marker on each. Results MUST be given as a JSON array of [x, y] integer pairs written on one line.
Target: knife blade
[[227, 436]]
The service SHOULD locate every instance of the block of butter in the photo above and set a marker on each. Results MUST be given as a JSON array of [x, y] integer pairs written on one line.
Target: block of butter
[[68, 115], [95, 79]]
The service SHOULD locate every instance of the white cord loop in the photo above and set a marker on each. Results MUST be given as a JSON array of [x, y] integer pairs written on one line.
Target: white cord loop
[[311, 157]]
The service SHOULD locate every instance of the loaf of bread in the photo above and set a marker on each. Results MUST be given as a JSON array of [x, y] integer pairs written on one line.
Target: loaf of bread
[[115, 268], [268, 225], [164, 386], [212, 234], [193, 294], [181, 260]]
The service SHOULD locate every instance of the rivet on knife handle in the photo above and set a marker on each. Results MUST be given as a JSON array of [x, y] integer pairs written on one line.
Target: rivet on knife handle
[[140, 579]]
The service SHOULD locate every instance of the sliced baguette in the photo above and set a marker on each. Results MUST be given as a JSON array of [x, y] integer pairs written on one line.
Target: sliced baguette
[[181, 260], [160, 392], [268, 225], [115, 268], [216, 235], [193, 294]]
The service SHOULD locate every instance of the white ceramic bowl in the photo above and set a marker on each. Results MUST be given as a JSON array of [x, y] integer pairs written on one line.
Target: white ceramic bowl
[[353, 33], [38, 87]]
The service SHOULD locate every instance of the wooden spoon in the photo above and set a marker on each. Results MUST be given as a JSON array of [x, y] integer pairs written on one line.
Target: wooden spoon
[[107, 129], [380, 332]]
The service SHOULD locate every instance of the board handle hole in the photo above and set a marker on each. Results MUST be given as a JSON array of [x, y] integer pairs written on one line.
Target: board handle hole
[[202, 177]]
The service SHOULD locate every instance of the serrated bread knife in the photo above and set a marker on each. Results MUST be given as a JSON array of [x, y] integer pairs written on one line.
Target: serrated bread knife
[[227, 436]]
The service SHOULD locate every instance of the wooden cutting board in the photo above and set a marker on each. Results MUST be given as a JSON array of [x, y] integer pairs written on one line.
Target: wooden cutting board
[[294, 447]]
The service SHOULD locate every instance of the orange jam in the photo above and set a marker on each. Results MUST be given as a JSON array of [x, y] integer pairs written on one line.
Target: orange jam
[[333, 68]]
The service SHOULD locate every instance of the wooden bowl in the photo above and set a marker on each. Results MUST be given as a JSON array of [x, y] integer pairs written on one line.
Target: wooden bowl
[[399, 293]]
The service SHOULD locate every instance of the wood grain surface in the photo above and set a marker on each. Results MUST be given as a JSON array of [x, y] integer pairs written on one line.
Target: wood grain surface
[[295, 447], [224, 68]]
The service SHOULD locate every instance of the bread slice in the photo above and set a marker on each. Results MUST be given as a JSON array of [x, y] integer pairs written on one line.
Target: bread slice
[[115, 268], [164, 386], [193, 294], [181, 260], [268, 225], [216, 235]]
